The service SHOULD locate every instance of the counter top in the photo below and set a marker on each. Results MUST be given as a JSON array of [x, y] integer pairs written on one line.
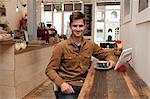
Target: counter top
[[114, 85], [32, 47], [7, 42]]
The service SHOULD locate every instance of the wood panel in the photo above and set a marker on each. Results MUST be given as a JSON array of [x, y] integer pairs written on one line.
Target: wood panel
[[30, 70]]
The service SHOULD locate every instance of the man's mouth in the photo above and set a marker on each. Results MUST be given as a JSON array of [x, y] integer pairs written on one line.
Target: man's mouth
[[78, 32]]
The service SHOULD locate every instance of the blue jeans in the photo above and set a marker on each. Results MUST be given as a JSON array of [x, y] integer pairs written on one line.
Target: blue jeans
[[60, 95]]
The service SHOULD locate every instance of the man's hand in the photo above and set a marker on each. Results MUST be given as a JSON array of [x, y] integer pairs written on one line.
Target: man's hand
[[111, 63], [66, 88]]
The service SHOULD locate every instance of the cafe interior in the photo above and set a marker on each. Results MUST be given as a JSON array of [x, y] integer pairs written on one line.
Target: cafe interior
[[29, 29]]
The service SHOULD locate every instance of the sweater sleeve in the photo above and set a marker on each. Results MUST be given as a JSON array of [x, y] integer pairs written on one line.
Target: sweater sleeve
[[104, 54]]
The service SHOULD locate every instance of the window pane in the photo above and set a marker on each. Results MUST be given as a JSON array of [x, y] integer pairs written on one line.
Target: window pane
[[58, 21], [78, 6], [126, 7], [58, 7], [47, 7], [67, 30], [99, 36], [143, 4], [48, 17], [68, 7]]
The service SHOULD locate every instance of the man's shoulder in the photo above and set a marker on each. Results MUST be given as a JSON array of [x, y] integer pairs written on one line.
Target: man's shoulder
[[87, 40], [62, 43]]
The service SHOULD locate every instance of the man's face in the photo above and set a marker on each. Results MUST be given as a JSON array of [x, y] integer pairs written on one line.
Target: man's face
[[78, 28]]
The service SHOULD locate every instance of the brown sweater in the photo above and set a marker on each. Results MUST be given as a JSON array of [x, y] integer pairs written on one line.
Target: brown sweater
[[70, 64]]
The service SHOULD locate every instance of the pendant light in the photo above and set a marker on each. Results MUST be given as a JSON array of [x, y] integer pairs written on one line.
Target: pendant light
[[17, 8], [42, 4], [55, 10]]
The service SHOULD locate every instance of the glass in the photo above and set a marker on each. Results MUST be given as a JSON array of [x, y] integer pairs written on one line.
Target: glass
[[58, 22], [67, 30], [48, 17]]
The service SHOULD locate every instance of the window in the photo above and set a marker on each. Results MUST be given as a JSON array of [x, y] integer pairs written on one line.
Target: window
[[58, 7], [114, 14], [100, 16], [47, 17], [68, 7], [47, 7], [67, 30], [127, 7], [77, 6], [57, 17], [143, 11], [143, 4], [58, 21], [127, 10]]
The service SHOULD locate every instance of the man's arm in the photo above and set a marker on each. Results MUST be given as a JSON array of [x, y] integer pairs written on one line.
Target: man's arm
[[53, 66], [103, 54]]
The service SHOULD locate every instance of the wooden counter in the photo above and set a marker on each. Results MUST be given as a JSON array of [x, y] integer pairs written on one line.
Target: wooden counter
[[32, 47], [7, 42], [114, 85]]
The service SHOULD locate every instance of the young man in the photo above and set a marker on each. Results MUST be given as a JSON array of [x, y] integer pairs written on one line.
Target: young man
[[71, 58]]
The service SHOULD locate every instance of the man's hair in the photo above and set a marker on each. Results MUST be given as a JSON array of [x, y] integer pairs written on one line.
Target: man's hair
[[75, 16]]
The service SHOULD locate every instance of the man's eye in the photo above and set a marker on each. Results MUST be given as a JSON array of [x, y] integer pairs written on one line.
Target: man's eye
[[80, 25], [74, 25]]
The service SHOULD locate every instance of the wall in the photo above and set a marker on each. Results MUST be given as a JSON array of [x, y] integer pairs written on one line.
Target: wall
[[137, 36], [11, 14]]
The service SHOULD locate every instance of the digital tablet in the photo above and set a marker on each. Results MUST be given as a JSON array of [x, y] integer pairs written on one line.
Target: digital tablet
[[125, 56]]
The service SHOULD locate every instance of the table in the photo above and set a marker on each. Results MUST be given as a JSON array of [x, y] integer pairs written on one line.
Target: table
[[114, 85]]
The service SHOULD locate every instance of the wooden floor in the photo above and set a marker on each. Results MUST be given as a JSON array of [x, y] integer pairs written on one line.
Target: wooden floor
[[44, 91]]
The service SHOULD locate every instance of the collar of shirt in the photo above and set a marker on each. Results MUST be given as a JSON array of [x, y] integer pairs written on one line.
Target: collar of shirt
[[71, 42]]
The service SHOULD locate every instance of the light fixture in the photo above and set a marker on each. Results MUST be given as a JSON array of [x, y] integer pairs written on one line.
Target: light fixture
[[42, 4], [17, 9], [55, 10]]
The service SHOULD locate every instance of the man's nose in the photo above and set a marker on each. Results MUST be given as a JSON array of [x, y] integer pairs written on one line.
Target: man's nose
[[78, 28]]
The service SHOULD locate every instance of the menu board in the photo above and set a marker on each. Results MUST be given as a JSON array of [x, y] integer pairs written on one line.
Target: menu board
[[88, 15]]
